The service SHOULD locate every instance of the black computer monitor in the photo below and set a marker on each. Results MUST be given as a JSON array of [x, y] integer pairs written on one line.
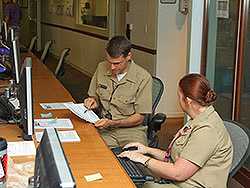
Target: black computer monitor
[[5, 35], [24, 94], [51, 165], [1, 29], [16, 59], [5, 31]]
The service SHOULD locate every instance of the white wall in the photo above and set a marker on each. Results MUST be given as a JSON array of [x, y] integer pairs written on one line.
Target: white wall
[[195, 36], [171, 55], [156, 26], [86, 51]]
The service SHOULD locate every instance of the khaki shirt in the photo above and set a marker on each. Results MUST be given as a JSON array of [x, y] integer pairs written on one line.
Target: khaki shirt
[[208, 145], [132, 94]]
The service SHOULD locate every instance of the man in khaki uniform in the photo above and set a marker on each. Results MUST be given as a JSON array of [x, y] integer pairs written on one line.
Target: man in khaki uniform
[[123, 92]]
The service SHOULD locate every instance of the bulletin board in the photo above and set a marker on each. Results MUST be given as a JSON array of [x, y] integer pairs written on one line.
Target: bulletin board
[[61, 7], [23, 3]]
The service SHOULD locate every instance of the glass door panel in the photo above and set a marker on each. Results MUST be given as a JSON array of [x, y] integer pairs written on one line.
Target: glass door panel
[[221, 49], [221, 58], [245, 85]]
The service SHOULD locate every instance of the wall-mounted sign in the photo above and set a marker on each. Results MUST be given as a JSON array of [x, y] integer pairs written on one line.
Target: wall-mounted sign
[[168, 1], [222, 9]]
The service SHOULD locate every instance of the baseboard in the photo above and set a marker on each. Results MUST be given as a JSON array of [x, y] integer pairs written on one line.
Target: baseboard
[[52, 53], [175, 115], [81, 70]]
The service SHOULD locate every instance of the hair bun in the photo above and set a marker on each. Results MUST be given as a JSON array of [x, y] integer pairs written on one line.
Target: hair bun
[[210, 97]]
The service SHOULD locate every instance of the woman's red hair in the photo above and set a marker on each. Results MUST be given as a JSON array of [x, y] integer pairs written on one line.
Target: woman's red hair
[[196, 87]]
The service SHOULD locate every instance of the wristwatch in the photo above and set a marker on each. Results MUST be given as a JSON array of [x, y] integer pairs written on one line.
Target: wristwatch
[[146, 163]]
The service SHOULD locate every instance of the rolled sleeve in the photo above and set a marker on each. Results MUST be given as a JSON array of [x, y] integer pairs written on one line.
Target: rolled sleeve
[[143, 103]]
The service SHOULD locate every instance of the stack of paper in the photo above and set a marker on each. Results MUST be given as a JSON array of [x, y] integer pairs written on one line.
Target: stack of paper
[[55, 106], [15, 102], [53, 123], [21, 148], [81, 111], [64, 136]]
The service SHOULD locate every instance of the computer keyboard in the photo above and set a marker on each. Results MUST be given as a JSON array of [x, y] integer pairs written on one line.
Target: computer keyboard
[[136, 171]]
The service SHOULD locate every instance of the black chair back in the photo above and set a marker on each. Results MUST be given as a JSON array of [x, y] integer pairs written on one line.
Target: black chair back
[[241, 144], [60, 66], [154, 121], [157, 91]]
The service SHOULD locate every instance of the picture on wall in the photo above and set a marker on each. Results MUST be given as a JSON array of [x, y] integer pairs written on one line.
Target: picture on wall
[[61, 7], [68, 8]]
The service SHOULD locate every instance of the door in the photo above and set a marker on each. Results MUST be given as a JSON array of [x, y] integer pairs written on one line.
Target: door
[[221, 53], [228, 59]]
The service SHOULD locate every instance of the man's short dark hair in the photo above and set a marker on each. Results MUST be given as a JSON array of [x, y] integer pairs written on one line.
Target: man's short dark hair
[[118, 46]]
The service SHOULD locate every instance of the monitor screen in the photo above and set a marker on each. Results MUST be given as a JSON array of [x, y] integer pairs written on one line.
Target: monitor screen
[[16, 59], [24, 94], [51, 165], [1, 25]]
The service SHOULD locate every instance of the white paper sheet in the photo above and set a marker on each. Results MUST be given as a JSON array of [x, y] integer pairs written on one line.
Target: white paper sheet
[[93, 177], [53, 123], [81, 111], [15, 102], [55, 106], [21, 148], [64, 136]]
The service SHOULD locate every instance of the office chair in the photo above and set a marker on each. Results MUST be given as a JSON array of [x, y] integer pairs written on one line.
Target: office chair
[[60, 66], [45, 51], [154, 121], [240, 139], [32, 43]]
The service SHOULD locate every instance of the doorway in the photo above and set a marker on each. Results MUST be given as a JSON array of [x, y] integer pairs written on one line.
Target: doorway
[[228, 60]]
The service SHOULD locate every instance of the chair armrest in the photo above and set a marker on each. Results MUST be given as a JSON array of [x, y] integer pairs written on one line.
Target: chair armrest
[[156, 121]]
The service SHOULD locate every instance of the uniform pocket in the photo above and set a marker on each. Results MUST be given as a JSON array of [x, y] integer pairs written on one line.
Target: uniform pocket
[[124, 105], [103, 92], [182, 140]]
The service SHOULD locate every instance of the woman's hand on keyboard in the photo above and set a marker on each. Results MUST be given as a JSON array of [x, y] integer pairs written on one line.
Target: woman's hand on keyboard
[[140, 147], [134, 156]]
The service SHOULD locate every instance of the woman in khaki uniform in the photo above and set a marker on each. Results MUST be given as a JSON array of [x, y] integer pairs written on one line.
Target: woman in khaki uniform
[[201, 153]]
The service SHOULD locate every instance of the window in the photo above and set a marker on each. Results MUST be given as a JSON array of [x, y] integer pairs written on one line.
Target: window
[[93, 13]]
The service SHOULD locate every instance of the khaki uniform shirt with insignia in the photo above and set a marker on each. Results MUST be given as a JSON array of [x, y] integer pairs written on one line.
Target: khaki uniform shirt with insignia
[[121, 99], [208, 145]]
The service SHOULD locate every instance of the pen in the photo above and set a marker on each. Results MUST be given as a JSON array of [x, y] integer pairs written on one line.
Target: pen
[[47, 106]]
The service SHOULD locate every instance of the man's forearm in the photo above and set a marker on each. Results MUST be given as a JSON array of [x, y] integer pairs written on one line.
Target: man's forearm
[[132, 121]]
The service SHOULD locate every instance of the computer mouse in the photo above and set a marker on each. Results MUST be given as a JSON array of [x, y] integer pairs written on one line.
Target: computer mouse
[[132, 148]]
